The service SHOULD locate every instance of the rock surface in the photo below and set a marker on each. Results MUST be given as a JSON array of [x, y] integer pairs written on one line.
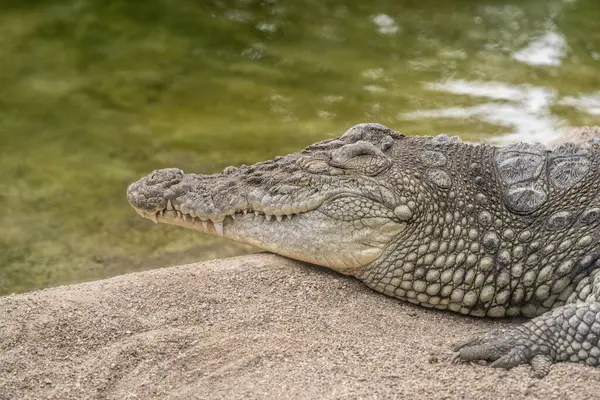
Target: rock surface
[[258, 326]]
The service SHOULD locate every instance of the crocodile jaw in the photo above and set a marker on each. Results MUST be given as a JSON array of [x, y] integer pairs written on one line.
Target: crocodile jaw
[[311, 236]]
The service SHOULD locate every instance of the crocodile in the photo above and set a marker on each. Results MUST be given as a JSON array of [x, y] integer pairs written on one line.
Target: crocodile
[[477, 229]]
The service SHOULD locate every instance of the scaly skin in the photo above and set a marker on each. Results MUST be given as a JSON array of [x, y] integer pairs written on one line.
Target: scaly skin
[[480, 230]]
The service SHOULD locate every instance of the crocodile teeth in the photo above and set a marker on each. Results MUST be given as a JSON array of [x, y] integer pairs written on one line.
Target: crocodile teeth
[[289, 216], [161, 212], [245, 212], [169, 205], [303, 207], [232, 216], [185, 217], [155, 218], [219, 228], [279, 218], [256, 213], [268, 217], [204, 225]]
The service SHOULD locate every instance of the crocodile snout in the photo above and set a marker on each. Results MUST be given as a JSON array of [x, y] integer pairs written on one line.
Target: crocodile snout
[[167, 176], [148, 194]]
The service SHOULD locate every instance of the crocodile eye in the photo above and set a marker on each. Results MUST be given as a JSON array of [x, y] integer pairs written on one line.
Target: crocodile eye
[[349, 151], [361, 156]]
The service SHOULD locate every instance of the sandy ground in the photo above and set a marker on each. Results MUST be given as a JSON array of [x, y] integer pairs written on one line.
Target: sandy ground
[[253, 327]]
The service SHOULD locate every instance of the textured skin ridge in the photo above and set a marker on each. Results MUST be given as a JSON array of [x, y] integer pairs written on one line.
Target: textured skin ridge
[[493, 240], [476, 229]]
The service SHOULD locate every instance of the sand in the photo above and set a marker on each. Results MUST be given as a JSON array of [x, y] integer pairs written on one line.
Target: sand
[[252, 327]]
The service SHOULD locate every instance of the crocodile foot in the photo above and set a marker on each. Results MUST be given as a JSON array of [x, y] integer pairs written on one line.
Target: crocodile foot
[[570, 333]]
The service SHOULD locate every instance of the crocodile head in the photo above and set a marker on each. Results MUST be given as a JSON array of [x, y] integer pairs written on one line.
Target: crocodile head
[[338, 203]]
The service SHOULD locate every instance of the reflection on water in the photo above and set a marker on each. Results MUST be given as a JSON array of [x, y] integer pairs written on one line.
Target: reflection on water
[[96, 94], [548, 49], [587, 103], [385, 24], [524, 109]]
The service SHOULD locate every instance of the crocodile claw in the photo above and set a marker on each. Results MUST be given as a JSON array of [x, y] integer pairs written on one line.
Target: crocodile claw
[[567, 333], [506, 348]]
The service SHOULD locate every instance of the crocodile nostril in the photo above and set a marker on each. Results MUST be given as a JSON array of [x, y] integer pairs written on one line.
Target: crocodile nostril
[[167, 175]]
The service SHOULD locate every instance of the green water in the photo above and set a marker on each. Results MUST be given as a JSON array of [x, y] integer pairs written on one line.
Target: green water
[[96, 94]]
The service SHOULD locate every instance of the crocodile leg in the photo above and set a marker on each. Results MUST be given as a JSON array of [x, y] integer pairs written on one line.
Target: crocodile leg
[[568, 333]]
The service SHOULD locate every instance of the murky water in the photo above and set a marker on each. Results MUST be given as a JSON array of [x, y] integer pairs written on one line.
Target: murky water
[[96, 94]]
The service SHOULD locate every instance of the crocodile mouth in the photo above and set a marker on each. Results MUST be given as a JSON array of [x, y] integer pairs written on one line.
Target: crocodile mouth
[[316, 233], [173, 215]]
